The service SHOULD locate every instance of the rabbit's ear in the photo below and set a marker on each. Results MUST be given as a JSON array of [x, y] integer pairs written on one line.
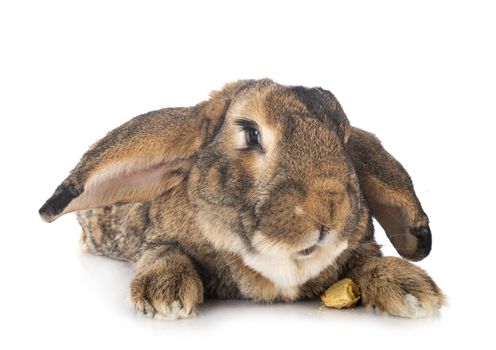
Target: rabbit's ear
[[388, 189], [141, 159]]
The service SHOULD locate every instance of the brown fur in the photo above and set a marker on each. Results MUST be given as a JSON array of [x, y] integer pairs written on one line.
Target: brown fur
[[209, 216]]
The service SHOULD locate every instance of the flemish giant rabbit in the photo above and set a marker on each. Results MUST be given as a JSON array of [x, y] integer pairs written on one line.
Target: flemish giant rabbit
[[263, 192]]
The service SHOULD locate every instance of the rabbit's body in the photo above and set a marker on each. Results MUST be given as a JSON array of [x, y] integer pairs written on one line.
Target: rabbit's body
[[127, 231], [264, 192]]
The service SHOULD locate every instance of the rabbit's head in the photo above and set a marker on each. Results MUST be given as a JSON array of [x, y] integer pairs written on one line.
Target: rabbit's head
[[277, 175], [268, 169]]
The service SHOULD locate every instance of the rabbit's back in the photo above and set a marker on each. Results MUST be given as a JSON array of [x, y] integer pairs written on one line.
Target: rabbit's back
[[116, 231]]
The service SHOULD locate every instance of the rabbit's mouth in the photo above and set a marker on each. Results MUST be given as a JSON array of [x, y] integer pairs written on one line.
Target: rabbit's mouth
[[307, 251], [321, 240]]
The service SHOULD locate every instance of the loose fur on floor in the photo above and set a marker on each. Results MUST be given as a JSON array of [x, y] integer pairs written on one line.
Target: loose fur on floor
[[264, 192]]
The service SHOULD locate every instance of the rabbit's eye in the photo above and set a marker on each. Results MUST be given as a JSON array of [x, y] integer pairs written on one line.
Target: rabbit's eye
[[252, 137], [252, 134]]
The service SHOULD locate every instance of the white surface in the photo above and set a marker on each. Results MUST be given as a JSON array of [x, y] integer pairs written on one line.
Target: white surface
[[422, 77]]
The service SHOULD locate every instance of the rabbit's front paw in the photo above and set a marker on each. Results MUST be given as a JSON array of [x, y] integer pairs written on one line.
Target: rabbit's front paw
[[165, 293], [400, 288]]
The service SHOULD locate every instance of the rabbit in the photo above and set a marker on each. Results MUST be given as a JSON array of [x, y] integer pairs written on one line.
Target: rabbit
[[262, 192]]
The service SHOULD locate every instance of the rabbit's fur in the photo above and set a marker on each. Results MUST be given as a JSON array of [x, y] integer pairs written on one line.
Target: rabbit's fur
[[203, 211]]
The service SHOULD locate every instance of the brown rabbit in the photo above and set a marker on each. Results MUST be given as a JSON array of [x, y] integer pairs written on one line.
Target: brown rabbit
[[263, 192]]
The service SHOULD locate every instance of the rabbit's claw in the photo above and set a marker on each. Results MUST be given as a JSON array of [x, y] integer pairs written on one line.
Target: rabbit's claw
[[400, 288], [162, 295]]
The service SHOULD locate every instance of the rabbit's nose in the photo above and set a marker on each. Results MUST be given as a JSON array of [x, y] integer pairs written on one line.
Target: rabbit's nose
[[323, 205], [332, 198]]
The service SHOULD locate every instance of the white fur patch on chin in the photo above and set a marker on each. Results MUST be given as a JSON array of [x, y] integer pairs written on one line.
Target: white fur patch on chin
[[286, 272]]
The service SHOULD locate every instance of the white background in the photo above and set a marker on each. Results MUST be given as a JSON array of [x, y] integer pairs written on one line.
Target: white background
[[421, 76]]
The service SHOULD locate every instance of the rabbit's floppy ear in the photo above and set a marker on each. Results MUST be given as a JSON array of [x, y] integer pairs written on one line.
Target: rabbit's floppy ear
[[141, 159], [389, 192]]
